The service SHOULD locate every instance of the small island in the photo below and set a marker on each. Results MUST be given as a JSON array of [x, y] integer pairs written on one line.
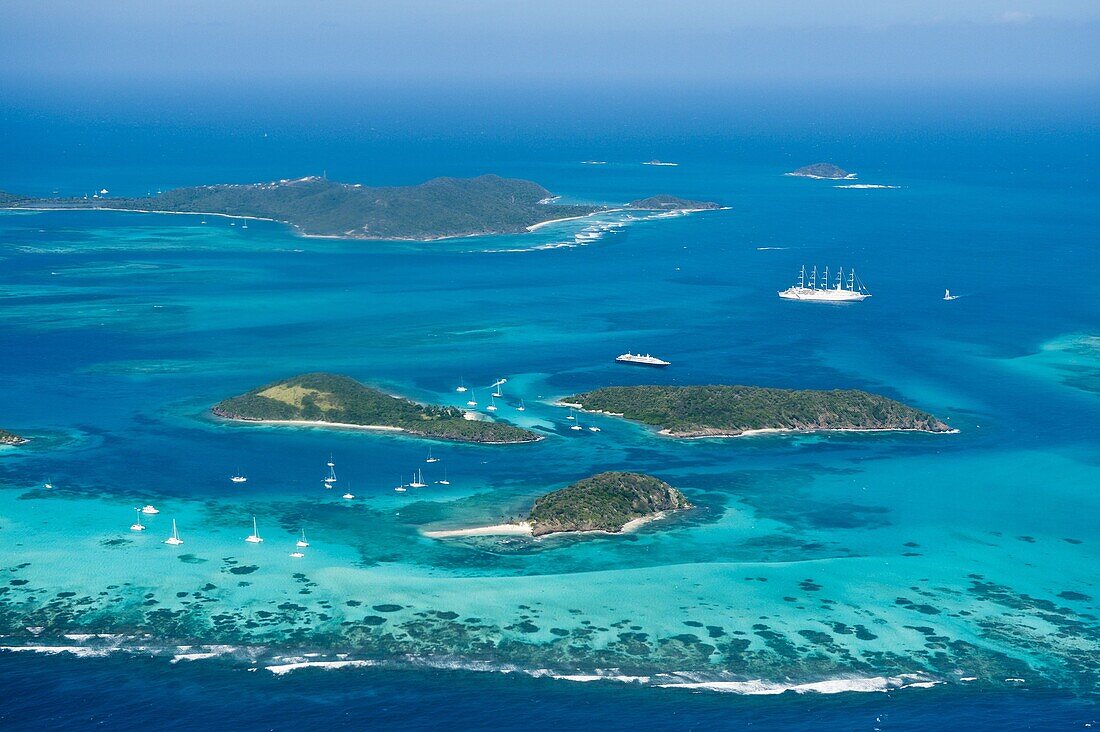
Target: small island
[[10, 438], [732, 411], [827, 171], [665, 202], [315, 206], [608, 503], [332, 400]]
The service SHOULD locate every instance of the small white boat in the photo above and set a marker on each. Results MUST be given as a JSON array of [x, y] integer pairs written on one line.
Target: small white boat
[[239, 478], [499, 392], [348, 496], [461, 388], [174, 539], [302, 543], [150, 510], [137, 525], [254, 537], [571, 416], [418, 480], [521, 408], [430, 458], [593, 429], [492, 405], [401, 485], [244, 225], [576, 427], [471, 403], [297, 554], [948, 296], [47, 485], [331, 477], [444, 481]]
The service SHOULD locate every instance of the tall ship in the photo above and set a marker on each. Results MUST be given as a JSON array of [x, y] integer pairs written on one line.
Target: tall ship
[[815, 289], [641, 360]]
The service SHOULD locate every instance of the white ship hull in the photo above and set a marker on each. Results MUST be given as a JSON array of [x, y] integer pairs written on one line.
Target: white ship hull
[[831, 295], [642, 360]]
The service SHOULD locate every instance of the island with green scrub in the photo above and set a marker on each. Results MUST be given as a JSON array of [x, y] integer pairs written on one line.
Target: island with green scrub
[[10, 438], [731, 411], [315, 206], [611, 502], [665, 202], [827, 171], [333, 400]]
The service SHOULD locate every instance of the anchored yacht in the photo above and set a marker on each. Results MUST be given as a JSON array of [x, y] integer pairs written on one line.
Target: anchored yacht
[[813, 289]]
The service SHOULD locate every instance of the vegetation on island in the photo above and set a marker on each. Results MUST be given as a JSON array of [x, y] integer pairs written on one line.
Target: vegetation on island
[[667, 202], [332, 398], [604, 502], [823, 170], [702, 411], [439, 208], [10, 438]]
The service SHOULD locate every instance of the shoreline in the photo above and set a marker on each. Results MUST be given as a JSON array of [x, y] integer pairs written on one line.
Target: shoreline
[[524, 528], [795, 431], [369, 428], [666, 432]]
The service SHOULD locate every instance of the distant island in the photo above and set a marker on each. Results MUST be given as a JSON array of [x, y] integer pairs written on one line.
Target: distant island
[[10, 438], [666, 202], [823, 170], [608, 502], [314, 206], [731, 411], [332, 400]]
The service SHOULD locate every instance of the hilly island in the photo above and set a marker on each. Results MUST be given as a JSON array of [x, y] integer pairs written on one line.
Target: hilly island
[[610, 502], [320, 399], [314, 206], [730, 411]]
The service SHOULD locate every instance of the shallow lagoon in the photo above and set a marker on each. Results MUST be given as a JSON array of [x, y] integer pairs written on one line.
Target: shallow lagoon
[[898, 557]]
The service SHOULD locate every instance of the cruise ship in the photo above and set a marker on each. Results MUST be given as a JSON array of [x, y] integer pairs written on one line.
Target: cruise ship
[[645, 360], [814, 289]]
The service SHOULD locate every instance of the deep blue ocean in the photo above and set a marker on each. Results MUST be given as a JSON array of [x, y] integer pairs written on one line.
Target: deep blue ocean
[[885, 581]]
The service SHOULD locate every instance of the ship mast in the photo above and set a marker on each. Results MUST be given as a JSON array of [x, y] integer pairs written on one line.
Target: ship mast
[[813, 278]]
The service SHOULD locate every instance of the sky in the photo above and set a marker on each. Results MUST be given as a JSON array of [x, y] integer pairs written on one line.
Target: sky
[[68, 44]]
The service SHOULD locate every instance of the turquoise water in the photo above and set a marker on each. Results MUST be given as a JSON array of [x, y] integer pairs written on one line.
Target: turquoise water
[[872, 561]]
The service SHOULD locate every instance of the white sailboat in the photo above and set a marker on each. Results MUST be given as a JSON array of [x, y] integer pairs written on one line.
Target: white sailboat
[[331, 477], [444, 481], [521, 408], [571, 416], [813, 290], [174, 539], [593, 429], [948, 296], [577, 426], [254, 537], [239, 478], [348, 496], [137, 525], [461, 389], [431, 458], [302, 543], [492, 405], [401, 485], [499, 392], [297, 554], [418, 480], [150, 510], [472, 402], [48, 485]]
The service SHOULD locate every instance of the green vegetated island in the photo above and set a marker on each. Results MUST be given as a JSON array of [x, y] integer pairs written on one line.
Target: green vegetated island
[[314, 206], [10, 438], [332, 400], [608, 502], [731, 411], [823, 170]]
